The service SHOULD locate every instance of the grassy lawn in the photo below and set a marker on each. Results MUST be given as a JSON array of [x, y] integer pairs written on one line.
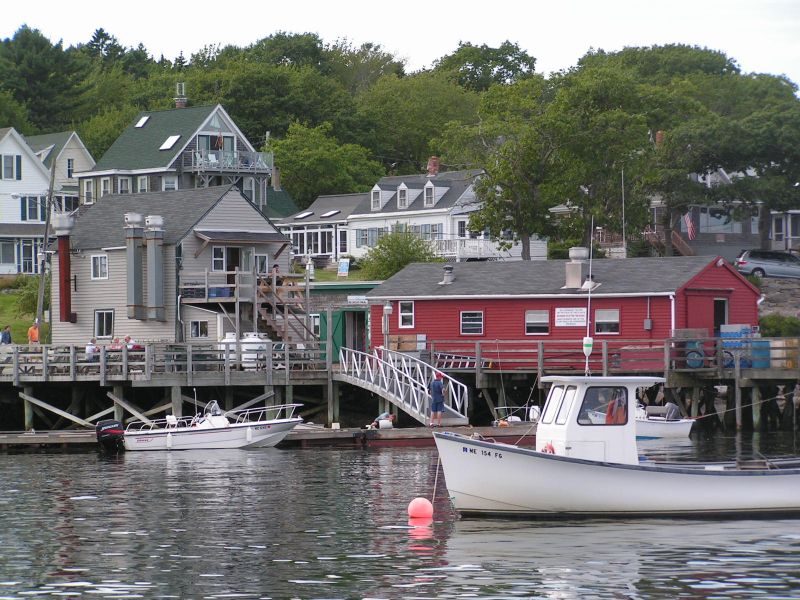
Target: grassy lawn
[[19, 323]]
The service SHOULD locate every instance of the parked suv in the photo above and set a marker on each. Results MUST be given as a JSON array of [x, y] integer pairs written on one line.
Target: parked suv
[[770, 263]]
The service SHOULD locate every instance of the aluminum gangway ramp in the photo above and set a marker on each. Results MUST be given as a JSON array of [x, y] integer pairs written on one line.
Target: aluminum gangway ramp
[[404, 381]]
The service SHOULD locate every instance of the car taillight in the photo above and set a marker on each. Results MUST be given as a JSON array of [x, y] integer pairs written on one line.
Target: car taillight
[[740, 262]]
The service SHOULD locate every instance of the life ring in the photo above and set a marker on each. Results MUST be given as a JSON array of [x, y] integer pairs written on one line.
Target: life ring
[[548, 448]]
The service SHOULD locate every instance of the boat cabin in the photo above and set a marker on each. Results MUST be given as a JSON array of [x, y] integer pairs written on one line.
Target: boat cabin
[[569, 424]]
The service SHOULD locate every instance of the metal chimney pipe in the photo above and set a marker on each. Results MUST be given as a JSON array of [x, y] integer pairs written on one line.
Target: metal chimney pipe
[[63, 224], [154, 239], [133, 247]]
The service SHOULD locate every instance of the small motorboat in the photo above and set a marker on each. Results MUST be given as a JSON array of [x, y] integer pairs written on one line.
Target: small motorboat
[[211, 429], [585, 469], [654, 422]]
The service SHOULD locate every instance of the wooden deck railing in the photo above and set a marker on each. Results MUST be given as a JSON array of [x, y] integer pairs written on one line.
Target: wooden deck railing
[[21, 364]]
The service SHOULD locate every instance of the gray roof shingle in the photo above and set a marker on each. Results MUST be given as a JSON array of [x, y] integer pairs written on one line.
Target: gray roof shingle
[[541, 278], [100, 225], [457, 183]]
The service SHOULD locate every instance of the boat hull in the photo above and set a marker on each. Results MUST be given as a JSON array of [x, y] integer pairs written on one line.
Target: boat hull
[[489, 478], [238, 435]]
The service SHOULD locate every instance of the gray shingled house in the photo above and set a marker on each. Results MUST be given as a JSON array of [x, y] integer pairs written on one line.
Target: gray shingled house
[[163, 266]]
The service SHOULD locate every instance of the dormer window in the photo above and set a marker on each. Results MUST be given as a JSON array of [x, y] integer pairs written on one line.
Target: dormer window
[[402, 198], [376, 199], [428, 196]]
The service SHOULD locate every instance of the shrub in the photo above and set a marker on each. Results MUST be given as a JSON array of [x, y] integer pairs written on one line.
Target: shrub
[[775, 325], [393, 252]]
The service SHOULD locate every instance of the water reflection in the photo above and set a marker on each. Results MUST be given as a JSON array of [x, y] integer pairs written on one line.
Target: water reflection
[[333, 524]]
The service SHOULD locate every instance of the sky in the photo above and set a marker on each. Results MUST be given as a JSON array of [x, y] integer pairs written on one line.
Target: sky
[[763, 36]]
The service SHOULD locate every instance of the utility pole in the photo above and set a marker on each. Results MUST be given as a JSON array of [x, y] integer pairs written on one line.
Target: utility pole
[[48, 203]]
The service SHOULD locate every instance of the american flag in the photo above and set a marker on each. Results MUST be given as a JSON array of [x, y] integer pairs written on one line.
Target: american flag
[[690, 230]]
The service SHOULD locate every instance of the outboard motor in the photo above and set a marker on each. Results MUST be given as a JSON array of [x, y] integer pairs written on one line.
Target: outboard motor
[[110, 436]]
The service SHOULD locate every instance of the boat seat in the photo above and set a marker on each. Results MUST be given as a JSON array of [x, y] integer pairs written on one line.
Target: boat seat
[[172, 421]]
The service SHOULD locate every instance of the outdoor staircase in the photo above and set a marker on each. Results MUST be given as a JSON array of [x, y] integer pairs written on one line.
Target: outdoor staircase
[[282, 312], [404, 381]]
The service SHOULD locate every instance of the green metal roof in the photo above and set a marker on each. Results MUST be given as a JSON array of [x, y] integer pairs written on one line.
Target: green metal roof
[[138, 147]]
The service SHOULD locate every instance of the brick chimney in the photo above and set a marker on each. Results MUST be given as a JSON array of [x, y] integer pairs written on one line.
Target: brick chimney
[[276, 179], [659, 138], [180, 95], [433, 166]]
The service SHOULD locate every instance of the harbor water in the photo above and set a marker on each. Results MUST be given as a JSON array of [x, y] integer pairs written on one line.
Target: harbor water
[[332, 523]]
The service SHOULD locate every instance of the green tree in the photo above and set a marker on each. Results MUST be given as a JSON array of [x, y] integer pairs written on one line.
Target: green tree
[[288, 49], [13, 113], [479, 67], [393, 252], [517, 140], [100, 131], [403, 115], [314, 163], [40, 76], [358, 68]]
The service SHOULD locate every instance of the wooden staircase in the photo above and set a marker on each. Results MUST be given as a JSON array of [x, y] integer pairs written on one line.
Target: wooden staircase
[[282, 310]]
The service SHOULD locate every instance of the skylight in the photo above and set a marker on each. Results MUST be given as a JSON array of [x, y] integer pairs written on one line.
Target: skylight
[[169, 142], [303, 215], [330, 213], [142, 121]]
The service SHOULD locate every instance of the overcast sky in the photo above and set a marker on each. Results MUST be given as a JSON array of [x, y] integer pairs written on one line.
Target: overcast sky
[[761, 35]]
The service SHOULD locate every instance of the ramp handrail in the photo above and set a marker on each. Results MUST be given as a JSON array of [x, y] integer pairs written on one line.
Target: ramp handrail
[[405, 378]]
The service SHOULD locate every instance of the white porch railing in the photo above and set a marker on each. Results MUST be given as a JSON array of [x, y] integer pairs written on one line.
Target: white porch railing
[[404, 381]]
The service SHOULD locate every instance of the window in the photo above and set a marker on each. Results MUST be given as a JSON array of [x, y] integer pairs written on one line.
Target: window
[[218, 258], [406, 315], [88, 191], [428, 196], [604, 406], [30, 208], [250, 188], [462, 229], [28, 254], [141, 184], [198, 329], [472, 323], [376, 199], [105, 186], [170, 183], [402, 198], [99, 266], [124, 185], [606, 320], [11, 167], [66, 203], [330, 213], [7, 252], [315, 324], [103, 323], [436, 231], [566, 406], [553, 403], [169, 142], [70, 167], [537, 322], [141, 122], [179, 255], [342, 241]]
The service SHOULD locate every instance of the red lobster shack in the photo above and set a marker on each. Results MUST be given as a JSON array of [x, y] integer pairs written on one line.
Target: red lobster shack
[[533, 315]]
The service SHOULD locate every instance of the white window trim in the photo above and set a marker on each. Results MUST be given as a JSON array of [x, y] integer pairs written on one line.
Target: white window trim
[[169, 178], [191, 329], [401, 313], [104, 258], [461, 322], [597, 321], [88, 191], [213, 259], [70, 168], [428, 203], [375, 200], [142, 188], [537, 310], [105, 186], [94, 326], [402, 198], [128, 180]]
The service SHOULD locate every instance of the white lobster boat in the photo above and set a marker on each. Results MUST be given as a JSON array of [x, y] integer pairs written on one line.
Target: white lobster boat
[[212, 429], [585, 469]]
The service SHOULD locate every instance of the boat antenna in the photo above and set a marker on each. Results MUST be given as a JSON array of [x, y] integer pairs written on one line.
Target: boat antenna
[[588, 342]]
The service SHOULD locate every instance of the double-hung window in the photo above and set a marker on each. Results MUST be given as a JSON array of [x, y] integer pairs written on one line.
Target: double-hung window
[[124, 185], [472, 322], [402, 198], [70, 168], [170, 183], [376, 199], [537, 322], [99, 266], [88, 191], [105, 186], [406, 315], [11, 167], [218, 258], [428, 196], [103, 323], [606, 320], [141, 184], [198, 329]]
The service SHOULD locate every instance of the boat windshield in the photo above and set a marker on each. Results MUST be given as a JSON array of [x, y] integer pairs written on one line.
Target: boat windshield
[[558, 403], [604, 406], [213, 409]]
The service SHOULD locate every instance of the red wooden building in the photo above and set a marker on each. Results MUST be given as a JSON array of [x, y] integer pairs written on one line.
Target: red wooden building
[[642, 301]]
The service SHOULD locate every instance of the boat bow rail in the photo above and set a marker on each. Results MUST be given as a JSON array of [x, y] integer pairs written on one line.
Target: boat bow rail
[[404, 381]]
